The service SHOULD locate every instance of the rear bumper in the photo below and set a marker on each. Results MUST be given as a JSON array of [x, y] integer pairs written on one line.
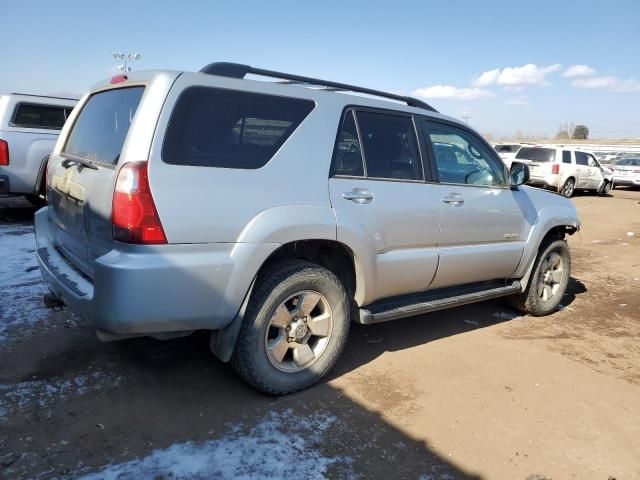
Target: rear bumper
[[153, 289], [627, 180], [550, 180], [4, 184]]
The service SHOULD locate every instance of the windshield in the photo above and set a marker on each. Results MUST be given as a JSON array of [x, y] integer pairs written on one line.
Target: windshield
[[537, 154], [102, 126]]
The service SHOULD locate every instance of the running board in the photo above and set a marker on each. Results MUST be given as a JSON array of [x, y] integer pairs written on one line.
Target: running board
[[433, 300]]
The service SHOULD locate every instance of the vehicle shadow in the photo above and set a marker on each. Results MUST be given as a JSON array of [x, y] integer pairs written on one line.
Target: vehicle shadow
[[16, 210]]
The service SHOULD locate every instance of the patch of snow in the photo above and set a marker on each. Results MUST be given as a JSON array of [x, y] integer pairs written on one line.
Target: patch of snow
[[630, 234], [20, 280], [22, 395], [281, 445], [507, 316]]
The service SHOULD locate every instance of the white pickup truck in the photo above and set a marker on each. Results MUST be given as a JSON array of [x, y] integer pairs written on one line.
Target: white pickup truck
[[29, 128]]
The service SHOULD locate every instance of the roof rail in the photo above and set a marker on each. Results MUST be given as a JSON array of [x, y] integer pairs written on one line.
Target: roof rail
[[238, 70]]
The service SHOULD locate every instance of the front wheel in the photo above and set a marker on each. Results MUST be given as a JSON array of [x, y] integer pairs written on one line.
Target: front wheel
[[548, 282], [295, 327], [605, 188]]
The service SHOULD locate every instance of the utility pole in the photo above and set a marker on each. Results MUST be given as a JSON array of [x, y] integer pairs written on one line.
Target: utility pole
[[125, 58], [466, 117]]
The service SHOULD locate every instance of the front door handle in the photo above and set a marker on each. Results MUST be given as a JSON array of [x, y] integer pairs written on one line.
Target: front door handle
[[358, 196], [454, 199]]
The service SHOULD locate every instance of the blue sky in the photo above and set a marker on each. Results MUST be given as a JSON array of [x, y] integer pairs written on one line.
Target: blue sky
[[504, 63]]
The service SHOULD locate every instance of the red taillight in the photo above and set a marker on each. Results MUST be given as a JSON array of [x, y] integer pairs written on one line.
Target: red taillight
[[119, 79], [133, 213], [4, 153], [636, 171], [555, 168]]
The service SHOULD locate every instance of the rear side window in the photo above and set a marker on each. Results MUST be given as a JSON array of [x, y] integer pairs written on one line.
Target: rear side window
[[102, 126], [537, 154], [566, 156], [582, 158], [212, 127], [347, 157], [390, 146], [30, 115]]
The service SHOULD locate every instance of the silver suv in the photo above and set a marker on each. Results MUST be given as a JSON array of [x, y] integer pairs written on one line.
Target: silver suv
[[29, 128], [275, 213]]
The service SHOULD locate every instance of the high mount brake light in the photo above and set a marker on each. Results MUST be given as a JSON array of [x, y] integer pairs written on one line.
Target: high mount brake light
[[133, 212], [119, 79]]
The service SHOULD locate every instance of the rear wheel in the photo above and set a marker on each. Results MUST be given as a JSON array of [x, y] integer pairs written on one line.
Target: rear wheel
[[568, 188], [548, 282], [295, 327]]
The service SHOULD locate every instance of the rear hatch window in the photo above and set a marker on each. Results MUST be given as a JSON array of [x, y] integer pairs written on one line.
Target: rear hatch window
[[213, 127], [101, 128], [536, 154]]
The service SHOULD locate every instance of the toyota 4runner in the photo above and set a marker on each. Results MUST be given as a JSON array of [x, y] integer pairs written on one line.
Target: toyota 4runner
[[275, 213]]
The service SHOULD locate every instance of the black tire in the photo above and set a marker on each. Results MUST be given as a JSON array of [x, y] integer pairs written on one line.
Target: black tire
[[277, 282], [568, 188], [530, 301], [604, 190]]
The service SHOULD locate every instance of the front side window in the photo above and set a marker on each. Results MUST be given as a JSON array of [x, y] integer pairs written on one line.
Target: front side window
[[566, 156], [582, 158], [100, 130], [214, 127], [30, 115], [461, 158], [347, 157], [390, 146]]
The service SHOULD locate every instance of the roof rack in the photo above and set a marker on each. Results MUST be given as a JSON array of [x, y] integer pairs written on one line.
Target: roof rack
[[238, 70]]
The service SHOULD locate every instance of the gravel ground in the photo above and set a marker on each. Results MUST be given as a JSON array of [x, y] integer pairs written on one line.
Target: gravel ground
[[474, 392]]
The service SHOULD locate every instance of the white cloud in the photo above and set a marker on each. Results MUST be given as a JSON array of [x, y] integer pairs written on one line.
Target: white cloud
[[609, 82], [516, 77], [579, 71], [449, 91], [521, 101]]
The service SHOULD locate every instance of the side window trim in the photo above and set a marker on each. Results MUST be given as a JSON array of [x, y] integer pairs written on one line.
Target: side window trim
[[362, 156], [490, 149]]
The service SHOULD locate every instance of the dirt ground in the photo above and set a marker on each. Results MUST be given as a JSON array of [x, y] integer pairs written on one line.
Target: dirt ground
[[474, 392]]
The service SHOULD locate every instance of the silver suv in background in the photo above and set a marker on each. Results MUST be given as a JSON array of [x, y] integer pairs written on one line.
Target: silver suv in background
[[29, 128], [274, 214], [564, 170]]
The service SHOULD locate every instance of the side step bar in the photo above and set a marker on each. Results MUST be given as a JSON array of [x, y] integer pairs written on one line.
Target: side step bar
[[431, 301]]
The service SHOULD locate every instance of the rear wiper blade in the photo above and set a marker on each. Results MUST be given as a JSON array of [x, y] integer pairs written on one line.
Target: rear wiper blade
[[71, 159]]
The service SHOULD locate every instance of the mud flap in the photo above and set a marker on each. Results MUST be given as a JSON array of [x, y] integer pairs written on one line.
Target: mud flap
[[223, 341]]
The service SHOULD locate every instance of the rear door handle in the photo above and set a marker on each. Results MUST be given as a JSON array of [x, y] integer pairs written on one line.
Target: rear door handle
[[454, 199], [358, 196]]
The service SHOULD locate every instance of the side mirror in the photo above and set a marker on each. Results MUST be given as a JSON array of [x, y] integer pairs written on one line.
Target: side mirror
[[519, 174]]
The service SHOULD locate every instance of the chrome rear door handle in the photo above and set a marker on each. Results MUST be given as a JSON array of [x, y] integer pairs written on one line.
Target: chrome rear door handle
[[358, 196], [453, 198]]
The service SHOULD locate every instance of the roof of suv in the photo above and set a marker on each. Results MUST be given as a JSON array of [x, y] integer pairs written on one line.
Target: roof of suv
[[233, 74]]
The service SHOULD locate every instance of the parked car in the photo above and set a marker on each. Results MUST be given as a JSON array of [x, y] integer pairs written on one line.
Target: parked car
[[563, 169], [274, 215], [29, 128], [507, 151], [626, 172]]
